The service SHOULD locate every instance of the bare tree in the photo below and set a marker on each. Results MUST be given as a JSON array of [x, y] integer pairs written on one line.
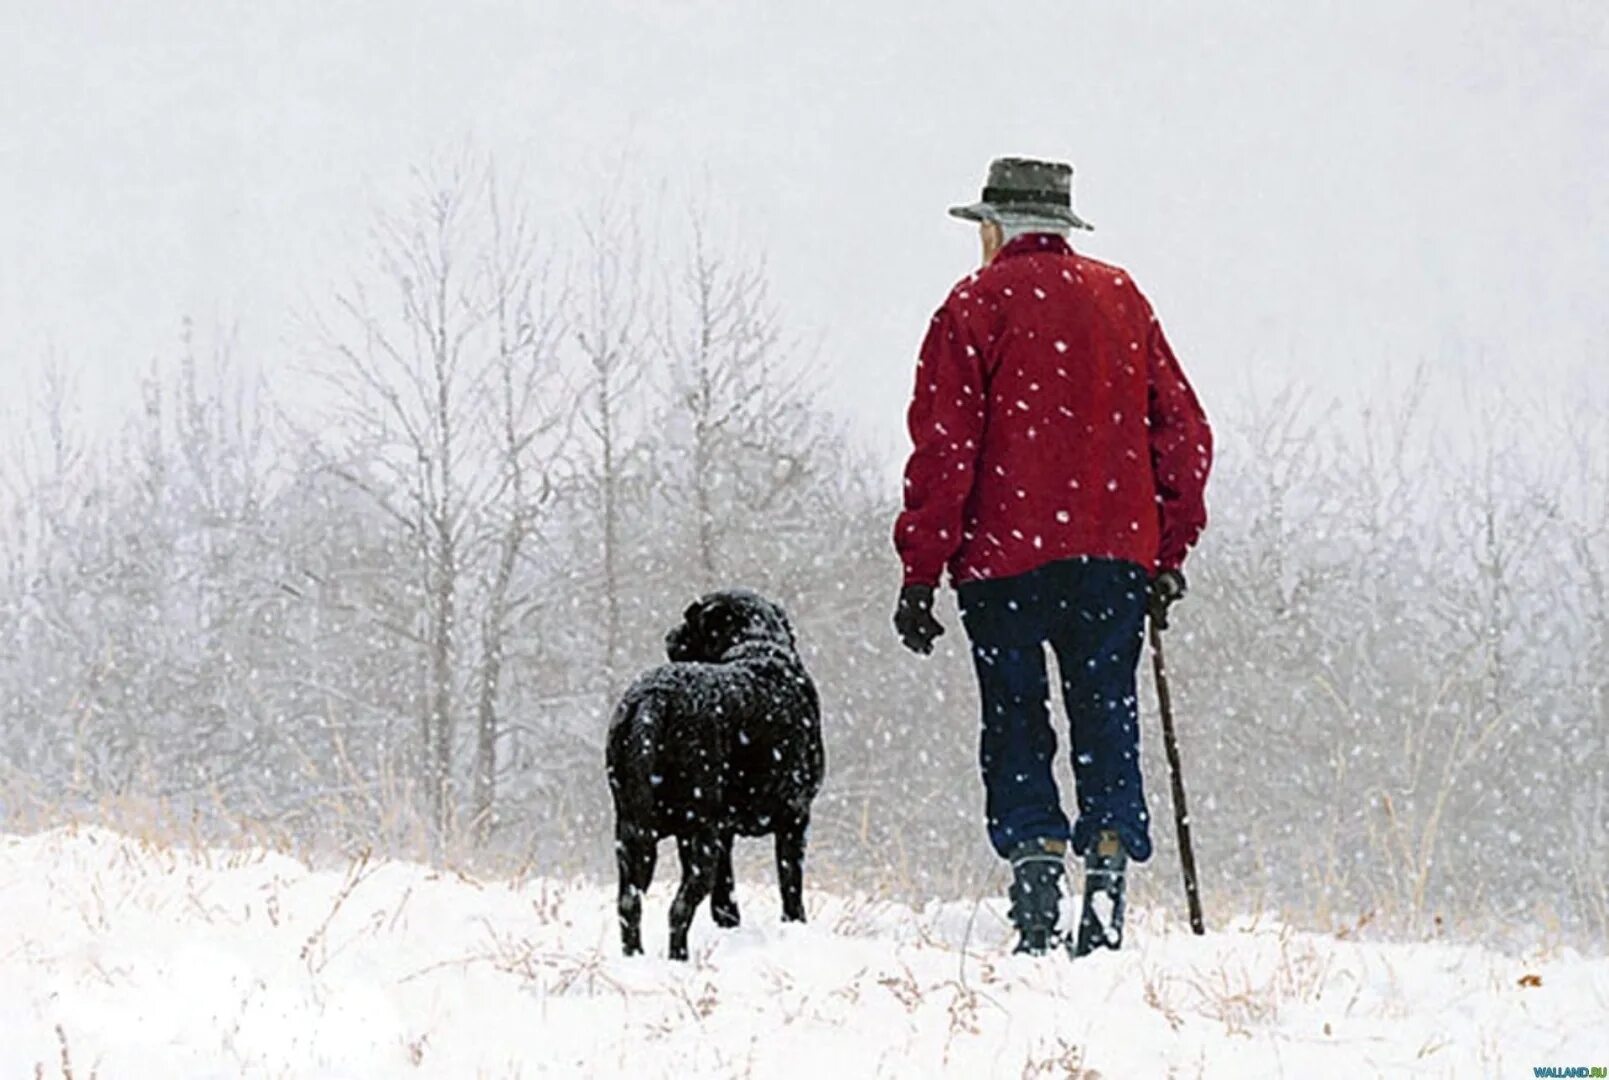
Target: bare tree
[[743, 407], [438, 408], [609, 331], [524, 409]]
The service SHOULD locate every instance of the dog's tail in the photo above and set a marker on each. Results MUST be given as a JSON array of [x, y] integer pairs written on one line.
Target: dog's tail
[[631, 759]]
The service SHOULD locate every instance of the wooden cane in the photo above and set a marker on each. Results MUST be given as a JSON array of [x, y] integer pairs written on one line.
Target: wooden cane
[[1181, 813]]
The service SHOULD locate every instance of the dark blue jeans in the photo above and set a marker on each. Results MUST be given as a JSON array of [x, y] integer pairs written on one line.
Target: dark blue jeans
[[1092, 613]]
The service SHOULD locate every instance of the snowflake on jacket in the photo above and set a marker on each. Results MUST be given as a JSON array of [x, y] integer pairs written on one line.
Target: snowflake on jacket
[[1050, 421]]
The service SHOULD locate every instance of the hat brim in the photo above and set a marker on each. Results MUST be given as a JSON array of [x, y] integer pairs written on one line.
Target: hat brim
[[984, 211]]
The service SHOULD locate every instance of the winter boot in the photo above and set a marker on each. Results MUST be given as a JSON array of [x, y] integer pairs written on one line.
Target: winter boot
[[1036, 873], [1101, 923]]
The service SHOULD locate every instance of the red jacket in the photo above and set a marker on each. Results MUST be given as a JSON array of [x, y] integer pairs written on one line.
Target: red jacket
[[1050, 421]]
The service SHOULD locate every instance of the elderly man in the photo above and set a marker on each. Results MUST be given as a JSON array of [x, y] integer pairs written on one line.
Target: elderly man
[[1057, 471]]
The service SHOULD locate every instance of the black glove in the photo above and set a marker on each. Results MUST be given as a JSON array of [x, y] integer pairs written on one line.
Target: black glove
[[914, 621], [1166, 589]]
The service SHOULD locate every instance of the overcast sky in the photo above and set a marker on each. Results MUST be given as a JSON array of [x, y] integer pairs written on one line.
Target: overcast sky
[[1305, 190]]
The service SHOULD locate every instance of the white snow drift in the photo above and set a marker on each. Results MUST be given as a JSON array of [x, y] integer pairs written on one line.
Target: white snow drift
[[124, 959]]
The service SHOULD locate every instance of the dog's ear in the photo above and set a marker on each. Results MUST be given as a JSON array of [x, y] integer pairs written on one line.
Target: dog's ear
[[782, 617], [682, 640]]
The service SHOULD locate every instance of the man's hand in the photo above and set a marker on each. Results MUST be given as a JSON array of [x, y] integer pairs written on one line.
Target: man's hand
[[914, 621], [1166, 589]]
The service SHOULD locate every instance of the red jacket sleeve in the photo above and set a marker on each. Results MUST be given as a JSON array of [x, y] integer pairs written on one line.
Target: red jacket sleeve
[[1181, 453], [946, 421]]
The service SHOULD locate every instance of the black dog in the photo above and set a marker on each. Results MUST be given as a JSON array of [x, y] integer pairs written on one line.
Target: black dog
[[725, 740]]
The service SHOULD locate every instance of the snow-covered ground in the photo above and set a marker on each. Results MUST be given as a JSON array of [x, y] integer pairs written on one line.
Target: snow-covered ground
[[123, 959]]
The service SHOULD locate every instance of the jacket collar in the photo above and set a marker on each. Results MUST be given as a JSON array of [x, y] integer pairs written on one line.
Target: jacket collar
[[1031, 243]]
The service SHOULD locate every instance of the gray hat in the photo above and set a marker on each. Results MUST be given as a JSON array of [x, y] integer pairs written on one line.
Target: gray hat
[[1025, 188]]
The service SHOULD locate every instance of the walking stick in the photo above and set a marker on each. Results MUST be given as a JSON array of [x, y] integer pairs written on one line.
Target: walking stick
[[1181, 813]]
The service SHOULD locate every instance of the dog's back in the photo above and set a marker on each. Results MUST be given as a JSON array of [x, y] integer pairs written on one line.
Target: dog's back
[[736, 746]]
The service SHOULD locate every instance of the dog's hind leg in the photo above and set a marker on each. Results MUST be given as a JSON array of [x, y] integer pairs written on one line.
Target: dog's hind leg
[[790, 868], [723, 905], [700, 855], [635, 852]]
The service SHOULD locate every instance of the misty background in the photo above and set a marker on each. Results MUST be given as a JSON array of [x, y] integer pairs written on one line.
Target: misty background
[[692, 250]]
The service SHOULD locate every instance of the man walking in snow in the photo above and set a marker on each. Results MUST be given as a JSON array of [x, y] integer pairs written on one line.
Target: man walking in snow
[[1058, 466]]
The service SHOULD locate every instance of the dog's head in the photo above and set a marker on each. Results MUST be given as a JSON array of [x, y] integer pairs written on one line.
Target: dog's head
[[717, 625]]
